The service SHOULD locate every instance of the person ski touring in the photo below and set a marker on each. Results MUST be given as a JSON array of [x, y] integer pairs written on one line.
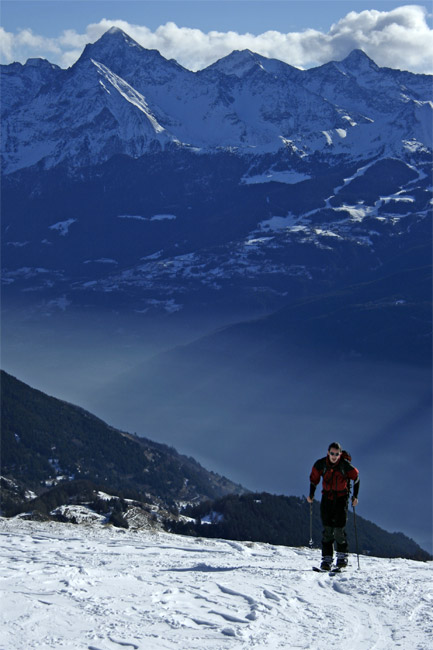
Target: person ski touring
[[337, 471]]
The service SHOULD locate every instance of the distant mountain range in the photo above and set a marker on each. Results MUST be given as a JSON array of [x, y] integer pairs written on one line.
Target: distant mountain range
[[120, 98], [61, 462], [130, 180]]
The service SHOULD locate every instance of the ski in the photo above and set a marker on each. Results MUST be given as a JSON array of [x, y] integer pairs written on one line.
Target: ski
[[335, 570], [332, 571]]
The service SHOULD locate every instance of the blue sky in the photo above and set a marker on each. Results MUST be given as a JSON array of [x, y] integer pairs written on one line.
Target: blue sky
[[198, 32]]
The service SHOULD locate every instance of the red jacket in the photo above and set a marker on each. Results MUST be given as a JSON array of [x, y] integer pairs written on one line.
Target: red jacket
[[336, 477]]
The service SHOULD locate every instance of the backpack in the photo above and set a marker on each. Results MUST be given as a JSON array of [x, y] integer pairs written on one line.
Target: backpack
[[345, 456]]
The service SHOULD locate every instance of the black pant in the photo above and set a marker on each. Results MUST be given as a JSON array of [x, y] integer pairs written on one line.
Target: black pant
[[334, 519]]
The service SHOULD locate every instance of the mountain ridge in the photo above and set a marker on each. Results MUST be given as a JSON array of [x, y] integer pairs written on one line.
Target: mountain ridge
[[180, 95], [37, 428], [44, 451]]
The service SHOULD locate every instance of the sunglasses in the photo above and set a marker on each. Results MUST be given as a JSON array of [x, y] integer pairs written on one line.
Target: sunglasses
[[333, 453]]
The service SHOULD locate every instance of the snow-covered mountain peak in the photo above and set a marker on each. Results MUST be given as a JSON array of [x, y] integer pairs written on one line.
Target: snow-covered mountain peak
[[114, 37], [357, 65], [138, 65], [236, 63], [41, 63], [116, 31], [241, 62], [119, 51], [358, 60], [21, 83]]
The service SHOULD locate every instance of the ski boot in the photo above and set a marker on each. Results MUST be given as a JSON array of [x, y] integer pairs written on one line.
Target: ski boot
[[326, 564], [342, 560]]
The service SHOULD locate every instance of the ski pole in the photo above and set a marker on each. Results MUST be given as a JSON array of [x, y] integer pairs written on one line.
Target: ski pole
[[356, 535], [310, 543]]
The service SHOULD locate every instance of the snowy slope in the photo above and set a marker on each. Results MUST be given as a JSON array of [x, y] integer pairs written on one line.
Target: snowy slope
[[21, 83], [95, 588]]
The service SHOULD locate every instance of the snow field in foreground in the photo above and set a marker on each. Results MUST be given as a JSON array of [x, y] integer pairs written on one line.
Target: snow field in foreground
[[93, 588]]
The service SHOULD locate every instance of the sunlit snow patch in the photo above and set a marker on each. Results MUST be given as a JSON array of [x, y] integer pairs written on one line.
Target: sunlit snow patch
[[163, 217], [63, 226], [413, 146], [257, 241], [132, 216], [156, 217], [129, 93], [327, 233], [25, 272], [17, 244], [349, 120], [358, 212], [279, 223], [212, 518], [78, 514]]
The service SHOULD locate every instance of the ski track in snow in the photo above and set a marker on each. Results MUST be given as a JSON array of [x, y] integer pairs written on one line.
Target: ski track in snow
[[98, 588]]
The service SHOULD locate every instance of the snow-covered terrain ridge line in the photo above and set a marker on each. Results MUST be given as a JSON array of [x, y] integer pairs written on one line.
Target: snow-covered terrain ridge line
[[128, 93], [91, 587], [244, 103]]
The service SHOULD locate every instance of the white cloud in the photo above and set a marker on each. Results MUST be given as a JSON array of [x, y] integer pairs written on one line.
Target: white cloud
[[399, 38], [6, 45], [25, 44]]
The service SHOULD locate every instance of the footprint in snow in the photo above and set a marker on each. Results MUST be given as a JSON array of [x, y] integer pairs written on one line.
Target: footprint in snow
[[125, 644], [271, 596], [228, 631]]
